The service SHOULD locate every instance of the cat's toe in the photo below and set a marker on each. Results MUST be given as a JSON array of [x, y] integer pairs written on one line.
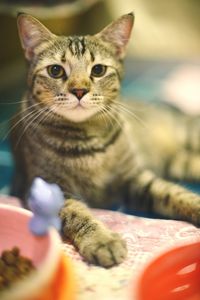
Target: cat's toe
[[110, 254], [105, 250]]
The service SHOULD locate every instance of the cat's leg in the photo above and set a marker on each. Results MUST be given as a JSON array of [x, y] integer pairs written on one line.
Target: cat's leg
[[185, 165], [150, 193], [96, 243], [192, 141]]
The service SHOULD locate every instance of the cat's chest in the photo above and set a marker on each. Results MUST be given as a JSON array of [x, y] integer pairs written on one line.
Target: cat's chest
[[88, 170], [94, 166], [93, 157], [87, 178]]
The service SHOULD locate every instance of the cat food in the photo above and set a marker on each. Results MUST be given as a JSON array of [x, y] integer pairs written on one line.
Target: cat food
[[13, 267]]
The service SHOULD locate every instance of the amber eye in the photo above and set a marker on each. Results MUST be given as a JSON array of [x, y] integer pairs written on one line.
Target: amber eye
[[98, 70], [56, 71]]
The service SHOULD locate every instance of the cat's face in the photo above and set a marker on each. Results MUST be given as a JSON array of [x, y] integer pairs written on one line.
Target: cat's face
[[76, 77]]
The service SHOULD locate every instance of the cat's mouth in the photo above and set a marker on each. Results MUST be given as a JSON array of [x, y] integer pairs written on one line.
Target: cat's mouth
[[80, 106], [77, 113]]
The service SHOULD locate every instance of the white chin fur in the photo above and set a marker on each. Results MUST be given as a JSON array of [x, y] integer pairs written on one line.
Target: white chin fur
[[78, 114]]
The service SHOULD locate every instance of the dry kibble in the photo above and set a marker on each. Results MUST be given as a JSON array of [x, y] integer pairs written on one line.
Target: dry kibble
[[9, 274], [2, 266], [15, 251], [1, 281], [13, 267], [23, 268], [9, 258]]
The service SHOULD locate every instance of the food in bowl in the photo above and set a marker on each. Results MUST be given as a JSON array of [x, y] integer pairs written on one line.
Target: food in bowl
[[13, 267]]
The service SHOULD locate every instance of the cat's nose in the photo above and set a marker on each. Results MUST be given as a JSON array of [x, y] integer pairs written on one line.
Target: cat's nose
[[79, 93]]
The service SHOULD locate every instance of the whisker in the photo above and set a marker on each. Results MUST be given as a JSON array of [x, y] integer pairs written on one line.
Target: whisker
[[103, 115], [109, 112], [116, 119], [43, 118], [19, 121], [130, 113], [129, 106], [35, 117], [20, 112], [14, 102], [27, 109], [46, 113]]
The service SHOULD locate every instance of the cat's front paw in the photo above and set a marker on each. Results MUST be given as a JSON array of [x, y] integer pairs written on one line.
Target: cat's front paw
[[104, 248]]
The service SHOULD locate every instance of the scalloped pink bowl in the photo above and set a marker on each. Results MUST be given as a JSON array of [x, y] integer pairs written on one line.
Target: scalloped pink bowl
[[53, 278]]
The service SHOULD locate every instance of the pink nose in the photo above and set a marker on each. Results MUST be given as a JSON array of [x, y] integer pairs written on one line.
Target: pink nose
[[79, 93]]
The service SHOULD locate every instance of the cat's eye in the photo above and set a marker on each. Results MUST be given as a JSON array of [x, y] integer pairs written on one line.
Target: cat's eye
[[56, 71], [98, 70]]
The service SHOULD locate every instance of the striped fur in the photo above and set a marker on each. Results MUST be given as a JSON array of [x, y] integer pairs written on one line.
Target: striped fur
[[90, 147]]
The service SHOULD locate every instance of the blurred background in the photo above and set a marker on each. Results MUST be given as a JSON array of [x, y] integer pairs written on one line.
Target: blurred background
[[163, 61]]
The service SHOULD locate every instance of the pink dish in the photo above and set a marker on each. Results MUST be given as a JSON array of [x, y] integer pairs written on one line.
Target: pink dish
[[46, 254], [14, 231]]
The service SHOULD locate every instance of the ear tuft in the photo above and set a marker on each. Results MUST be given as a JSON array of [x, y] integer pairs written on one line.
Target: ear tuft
[[118, 33], [32, 33]]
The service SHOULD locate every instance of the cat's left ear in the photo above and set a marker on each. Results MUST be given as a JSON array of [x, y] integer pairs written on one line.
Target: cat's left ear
[[118, 33], [32, 34]]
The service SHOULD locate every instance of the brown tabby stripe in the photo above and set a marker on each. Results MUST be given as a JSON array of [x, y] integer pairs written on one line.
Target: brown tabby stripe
[[36, 78], [141, 194], [66, 127], [92, 56], [188, 142], [184, 165], [146, 202], [77, 46], [63, 58], [76, 151]]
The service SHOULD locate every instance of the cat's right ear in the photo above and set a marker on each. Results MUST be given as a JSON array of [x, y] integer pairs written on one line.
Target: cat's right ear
[[32, 33]]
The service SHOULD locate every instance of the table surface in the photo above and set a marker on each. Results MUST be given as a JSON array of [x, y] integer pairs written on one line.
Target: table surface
[[146, 238]]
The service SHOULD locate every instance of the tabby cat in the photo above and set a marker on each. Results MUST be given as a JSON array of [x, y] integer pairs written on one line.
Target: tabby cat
[[73, 130]]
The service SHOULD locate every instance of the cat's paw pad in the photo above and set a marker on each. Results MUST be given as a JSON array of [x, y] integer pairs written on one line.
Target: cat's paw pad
[[105, 249]]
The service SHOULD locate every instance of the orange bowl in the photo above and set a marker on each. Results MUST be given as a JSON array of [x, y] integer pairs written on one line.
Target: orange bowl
[[174, 275], [53, 278]]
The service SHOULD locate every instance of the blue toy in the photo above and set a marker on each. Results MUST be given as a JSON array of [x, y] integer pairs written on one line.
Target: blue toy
[[45, 201]]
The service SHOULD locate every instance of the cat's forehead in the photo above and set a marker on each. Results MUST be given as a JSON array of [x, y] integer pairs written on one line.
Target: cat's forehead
[[77, 48], [80, 45], [77, 45]]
